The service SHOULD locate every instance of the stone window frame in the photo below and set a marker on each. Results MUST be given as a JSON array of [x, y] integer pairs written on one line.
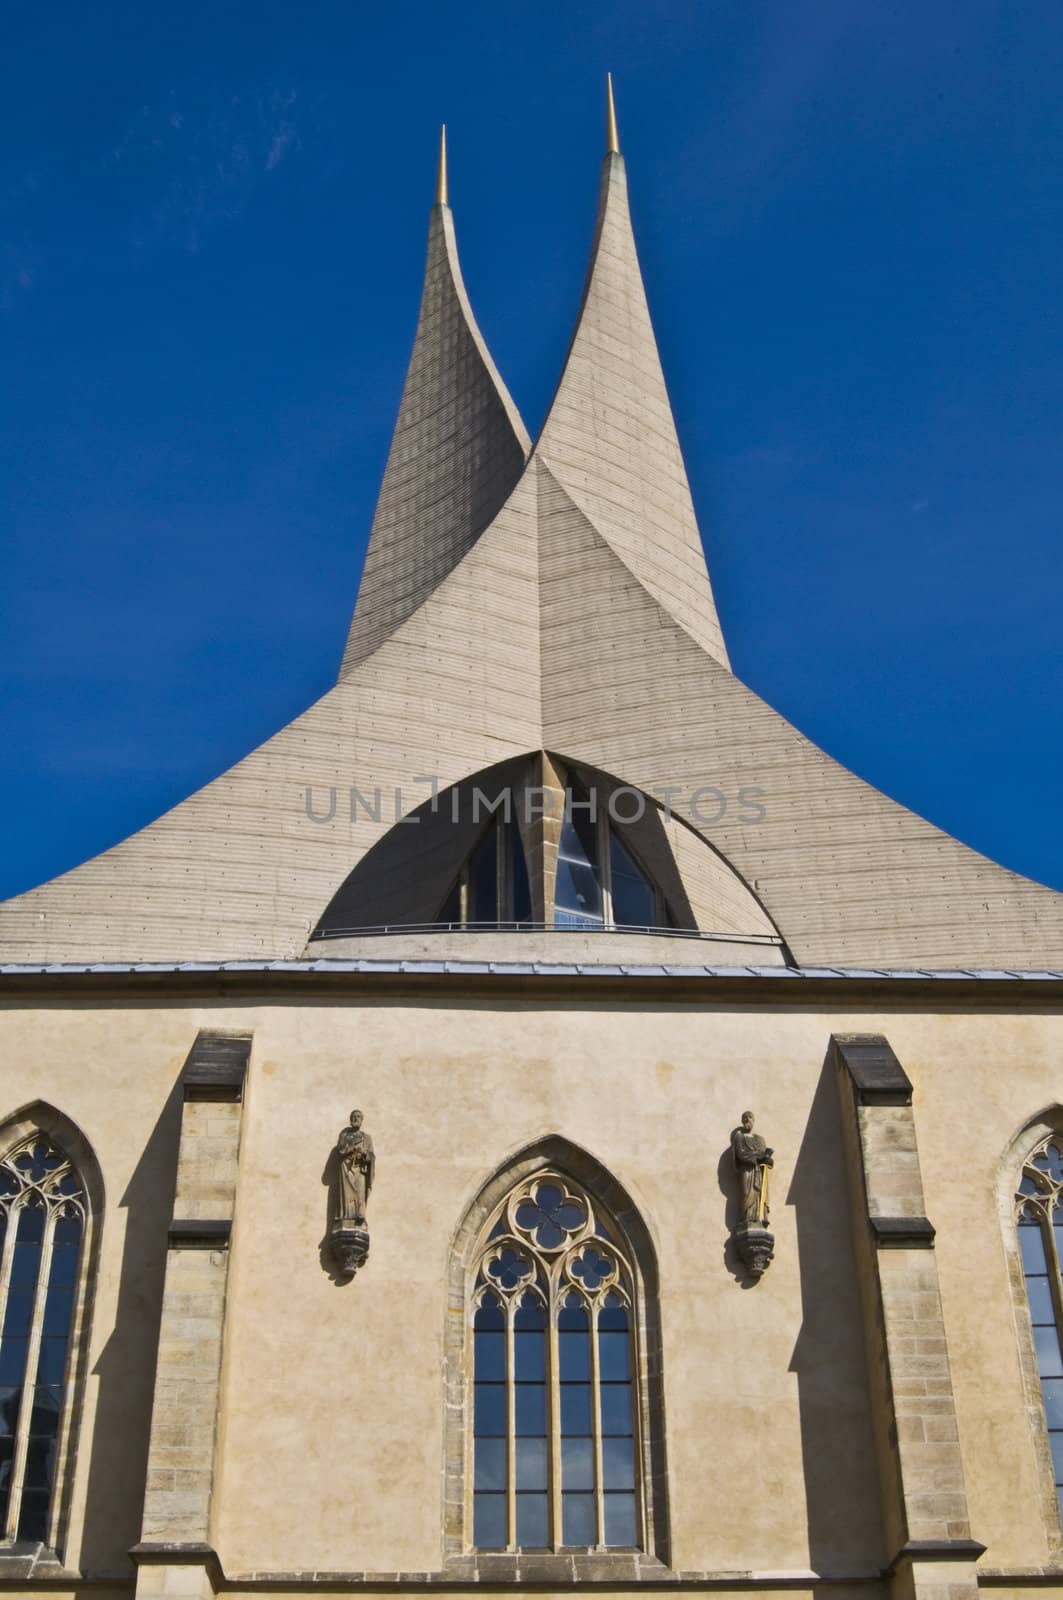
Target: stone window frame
[[1047, 1124], [39, 1119], [560, 1157]]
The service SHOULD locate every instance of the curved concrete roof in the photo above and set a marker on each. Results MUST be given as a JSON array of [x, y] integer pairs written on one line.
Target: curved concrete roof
[[576, 616]]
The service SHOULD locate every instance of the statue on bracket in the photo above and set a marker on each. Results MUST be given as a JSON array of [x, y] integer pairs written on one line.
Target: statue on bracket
[[356, 1163], [754, 1242]]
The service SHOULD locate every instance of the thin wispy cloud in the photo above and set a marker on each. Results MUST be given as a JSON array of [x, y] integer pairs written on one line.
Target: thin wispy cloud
[[202, 166], [178, 170]]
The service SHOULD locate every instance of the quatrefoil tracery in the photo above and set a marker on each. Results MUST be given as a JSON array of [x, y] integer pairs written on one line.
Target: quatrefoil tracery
[[591, 1269], [549, 1214], [1040, 1191], [37, 1175], [547, 1241], [507, 1268]]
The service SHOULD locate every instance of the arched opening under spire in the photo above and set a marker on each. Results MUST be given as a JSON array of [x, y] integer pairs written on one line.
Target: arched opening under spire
[[543, 844]]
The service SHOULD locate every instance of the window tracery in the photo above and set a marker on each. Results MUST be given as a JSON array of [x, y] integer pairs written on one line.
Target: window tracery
[[43, 1217], [555, 1415], [1039, 1215]]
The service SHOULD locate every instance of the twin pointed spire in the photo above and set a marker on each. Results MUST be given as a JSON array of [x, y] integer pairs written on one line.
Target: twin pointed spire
[[609, 443]]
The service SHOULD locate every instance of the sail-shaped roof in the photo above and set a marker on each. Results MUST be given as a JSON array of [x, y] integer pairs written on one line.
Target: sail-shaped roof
[[514, 604], [610, 436], [458, 448]]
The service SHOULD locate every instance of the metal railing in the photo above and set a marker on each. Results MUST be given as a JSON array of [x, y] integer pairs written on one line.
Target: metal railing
[[387, 929]]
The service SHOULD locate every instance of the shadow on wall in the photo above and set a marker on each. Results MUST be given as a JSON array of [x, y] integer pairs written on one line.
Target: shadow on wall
[[330, 1182], [838, 1447], [126, 1365]]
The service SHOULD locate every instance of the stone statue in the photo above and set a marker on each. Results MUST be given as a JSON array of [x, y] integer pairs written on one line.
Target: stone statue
[[753, 1161], [356, 1165]]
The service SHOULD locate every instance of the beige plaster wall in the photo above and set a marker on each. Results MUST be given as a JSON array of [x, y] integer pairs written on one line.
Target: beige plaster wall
[[332, 1433]]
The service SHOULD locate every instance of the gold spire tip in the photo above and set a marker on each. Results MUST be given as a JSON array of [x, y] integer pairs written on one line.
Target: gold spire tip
[[612, 138], [441, 173]]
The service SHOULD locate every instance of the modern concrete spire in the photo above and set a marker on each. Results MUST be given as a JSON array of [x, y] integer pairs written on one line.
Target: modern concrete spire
[[458, 448], [610, 439], [612, 137], [552, 612]]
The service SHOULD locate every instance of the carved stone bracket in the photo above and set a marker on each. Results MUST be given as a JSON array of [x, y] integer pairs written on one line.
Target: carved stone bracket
[[349, 1243], [755, 1247]]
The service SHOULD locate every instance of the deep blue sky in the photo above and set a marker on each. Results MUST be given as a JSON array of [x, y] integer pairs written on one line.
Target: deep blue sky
[[212, 225]]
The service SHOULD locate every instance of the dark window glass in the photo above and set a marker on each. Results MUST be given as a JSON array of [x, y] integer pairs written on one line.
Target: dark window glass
[[33, 1514], [575, 1408], [530, 1408], [490, 1355], [529, 1361], [1036, 1264], [489, 1521], [9, 1399], [613, 1356], [12, 1360], [634, 900], [1041, 1307], [490, 1315], [616, 1408], [531, 1464], [46, 1406], [450, 910], [490, 1409], [490, 1471], [483, 878], [6, 1450], [574, 1357], [620, 1521], [489, 1399], [577, 1463], [577, 1519], [518, 868], [52, 1361], [531, 1521], [618, 1463], [1033, 1247], [57, 1311], [18, 1313], [578, 889]]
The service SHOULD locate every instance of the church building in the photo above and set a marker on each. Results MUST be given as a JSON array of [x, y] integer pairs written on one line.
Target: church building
[[537, 1123]]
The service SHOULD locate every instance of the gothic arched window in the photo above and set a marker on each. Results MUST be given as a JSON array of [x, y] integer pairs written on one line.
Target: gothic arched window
[[43, 1220], [556, 1415], [1039, 1210]]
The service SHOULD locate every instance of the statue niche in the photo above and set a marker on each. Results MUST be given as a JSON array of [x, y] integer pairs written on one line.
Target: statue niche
[[355, 1168], [753, 1240]]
